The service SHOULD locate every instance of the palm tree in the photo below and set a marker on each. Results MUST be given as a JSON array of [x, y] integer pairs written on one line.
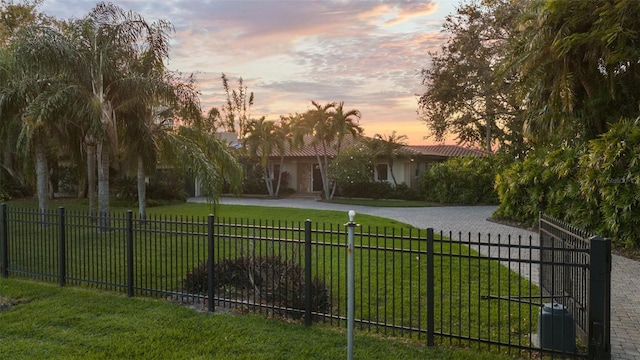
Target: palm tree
[[343, 123], [210, 159], [25, 105], [162, 97], [284, 136], [576, 63], [389, 147], [16, 16], [264, 137], [327, 125], [93, 57]]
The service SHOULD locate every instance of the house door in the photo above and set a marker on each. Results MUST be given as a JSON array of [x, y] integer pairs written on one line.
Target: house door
[[316, 178]]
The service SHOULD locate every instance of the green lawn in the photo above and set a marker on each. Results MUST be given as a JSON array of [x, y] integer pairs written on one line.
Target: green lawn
[[48, 322], [390, 284]]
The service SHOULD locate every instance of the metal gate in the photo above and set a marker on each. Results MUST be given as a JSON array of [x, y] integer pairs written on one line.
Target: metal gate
[[575, 271]]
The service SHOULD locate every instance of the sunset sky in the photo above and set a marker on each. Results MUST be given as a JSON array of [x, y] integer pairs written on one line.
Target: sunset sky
[[368, 54]]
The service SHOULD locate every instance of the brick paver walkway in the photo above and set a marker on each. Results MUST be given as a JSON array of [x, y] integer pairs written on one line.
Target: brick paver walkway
[[625, 276]]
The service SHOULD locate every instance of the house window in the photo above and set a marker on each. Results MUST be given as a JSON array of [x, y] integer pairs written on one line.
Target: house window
[[382, 172]]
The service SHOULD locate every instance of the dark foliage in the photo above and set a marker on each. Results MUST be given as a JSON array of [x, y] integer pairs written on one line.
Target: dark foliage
[[166, 185], [10, 188], [378, 190], [270, 279], [464, 180]]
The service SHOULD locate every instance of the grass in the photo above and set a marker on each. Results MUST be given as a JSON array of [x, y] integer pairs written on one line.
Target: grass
[[45, 321], [390, 284]]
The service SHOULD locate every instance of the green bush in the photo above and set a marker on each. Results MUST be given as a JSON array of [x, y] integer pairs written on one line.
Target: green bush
[[462, 180], [368, 190], [354, 166], [610, 184], [404, 192], [4, 196], [544, 181], [11, 188], [594, 187], [253, 182], [68, 179], [353, 171], [165, 185]]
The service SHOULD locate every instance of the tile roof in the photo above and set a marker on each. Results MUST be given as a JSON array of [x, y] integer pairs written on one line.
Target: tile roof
[[445, 150], [442, 151]]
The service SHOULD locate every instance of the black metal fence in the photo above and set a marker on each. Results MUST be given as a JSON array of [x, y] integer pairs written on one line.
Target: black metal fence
[[453, 289], [575, 271]]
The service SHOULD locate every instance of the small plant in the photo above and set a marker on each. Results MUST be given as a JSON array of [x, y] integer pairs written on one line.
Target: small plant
[[196, 280], [270, 279]]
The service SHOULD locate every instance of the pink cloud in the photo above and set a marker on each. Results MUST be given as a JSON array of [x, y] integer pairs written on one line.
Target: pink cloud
[[366, 53]]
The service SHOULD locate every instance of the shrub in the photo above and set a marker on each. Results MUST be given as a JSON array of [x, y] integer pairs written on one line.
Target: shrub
[[124, 188], [545, 181], [285, 177], [165, 185], [253, 182], [404, 192], [369, 190], [462, 180], [270, 279], [4, 196], [10, 187], [354, 166], [68, 179], [610, 184]]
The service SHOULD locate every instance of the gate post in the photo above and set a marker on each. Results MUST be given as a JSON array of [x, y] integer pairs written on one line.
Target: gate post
[[130, 268], [307, 272], [62, 249], [600, 298], [4, 247], [210, 255], [430, 289]]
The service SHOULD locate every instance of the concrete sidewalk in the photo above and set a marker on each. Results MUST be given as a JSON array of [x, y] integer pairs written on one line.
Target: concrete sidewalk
[[625, 276]]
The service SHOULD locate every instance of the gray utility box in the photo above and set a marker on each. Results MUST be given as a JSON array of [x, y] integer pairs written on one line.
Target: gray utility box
[[556, 328]]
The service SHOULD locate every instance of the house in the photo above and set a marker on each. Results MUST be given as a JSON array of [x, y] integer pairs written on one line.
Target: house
[[304, 172], [409, 165]]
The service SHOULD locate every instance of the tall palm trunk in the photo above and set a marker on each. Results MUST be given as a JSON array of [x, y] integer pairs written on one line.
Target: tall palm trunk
[[91, 176], [323, 163], [393, 176], [142, 190], [277, 191], [42, 180], [268, 180], [103, 186]]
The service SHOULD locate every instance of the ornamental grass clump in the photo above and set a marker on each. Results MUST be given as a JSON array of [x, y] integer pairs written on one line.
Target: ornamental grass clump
[[269, 280]]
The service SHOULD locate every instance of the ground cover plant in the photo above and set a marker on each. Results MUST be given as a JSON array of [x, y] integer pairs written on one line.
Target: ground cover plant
[[390, 284]]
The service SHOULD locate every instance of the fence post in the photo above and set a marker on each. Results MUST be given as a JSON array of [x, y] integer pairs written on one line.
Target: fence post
[[4, 247], [62, 258], [130, 269], [351, 283], [430, 289], [600, 298], [211, 254], [307, 272]]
